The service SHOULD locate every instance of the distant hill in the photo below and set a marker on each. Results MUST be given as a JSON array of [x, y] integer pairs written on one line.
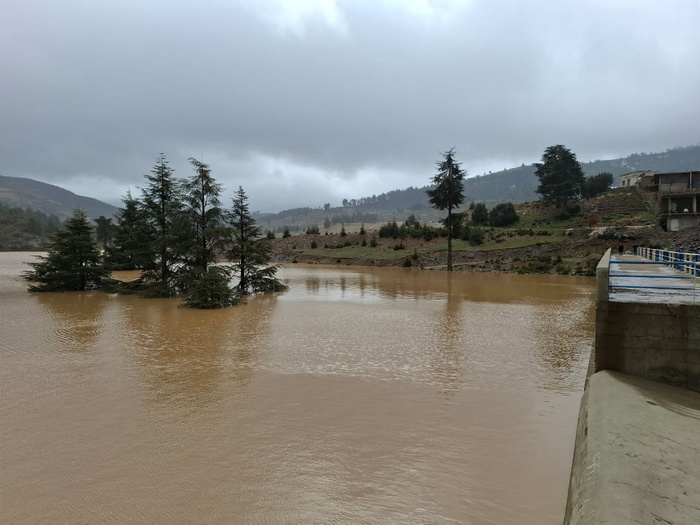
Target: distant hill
[[49, 199], [519, 184], [515, 185]]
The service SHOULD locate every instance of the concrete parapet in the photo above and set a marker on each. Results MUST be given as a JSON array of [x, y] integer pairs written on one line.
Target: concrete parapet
[[637, 458], [649, 340], [602, 274]]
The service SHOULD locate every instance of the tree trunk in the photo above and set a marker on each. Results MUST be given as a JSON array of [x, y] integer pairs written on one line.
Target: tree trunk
[[449, 238]]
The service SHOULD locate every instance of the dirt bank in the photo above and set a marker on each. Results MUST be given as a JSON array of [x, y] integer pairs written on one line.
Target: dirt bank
[[575, 253]]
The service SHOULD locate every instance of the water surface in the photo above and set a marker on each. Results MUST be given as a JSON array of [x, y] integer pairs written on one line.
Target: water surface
[[359, 396]]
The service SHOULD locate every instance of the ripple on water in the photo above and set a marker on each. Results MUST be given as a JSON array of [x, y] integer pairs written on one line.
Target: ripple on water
[[361, 396]]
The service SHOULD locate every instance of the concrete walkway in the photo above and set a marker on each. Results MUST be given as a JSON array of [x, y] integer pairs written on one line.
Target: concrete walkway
[[637, 457], [650, 282]]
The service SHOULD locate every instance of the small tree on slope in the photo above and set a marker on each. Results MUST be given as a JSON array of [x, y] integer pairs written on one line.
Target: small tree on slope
[[560, 174], [448, 193]]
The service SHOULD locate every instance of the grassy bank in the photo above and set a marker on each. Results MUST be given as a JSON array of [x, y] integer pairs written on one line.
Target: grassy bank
[[544, 240]]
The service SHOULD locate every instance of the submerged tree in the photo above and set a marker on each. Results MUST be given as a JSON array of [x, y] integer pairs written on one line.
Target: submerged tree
[[560, 174], [104, 231], [212, 289], [132, 235], [73, 261], [206, 217], [205, 284], [174, 234], [161, 206], [249, 253], [448, 193]]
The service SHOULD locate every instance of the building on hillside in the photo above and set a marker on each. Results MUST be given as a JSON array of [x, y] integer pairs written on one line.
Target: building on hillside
[[677, 196], [642, 179]]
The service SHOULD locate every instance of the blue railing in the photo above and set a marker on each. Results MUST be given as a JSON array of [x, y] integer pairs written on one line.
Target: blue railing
[[681, 261], [660, 285]]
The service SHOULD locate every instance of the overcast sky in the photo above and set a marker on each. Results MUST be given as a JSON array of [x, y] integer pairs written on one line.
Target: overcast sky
[[304, 102]]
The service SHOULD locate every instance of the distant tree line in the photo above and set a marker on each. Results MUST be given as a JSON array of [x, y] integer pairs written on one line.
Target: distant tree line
[[174, 233], [396, 199], [354, 218], [465, 225], [25, 229]]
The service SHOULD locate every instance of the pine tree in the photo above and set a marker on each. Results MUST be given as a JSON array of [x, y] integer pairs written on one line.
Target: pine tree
[[448, 193], [205, 215], [161, 206], [249, 253], [206, 285], [560, 174], [104, 231], [73, 262], [132, 237], [212, 289]]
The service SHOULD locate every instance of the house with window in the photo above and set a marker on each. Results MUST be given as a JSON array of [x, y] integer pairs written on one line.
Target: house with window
[[642, 179], [677, 196]]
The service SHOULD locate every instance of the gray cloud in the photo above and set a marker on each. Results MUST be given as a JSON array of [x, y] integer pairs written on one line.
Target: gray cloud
[[308, 102]]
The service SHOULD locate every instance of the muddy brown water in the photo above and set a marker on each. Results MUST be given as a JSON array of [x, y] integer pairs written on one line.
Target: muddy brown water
[[359, 396]]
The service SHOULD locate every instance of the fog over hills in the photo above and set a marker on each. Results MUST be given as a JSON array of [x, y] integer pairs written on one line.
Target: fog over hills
[[519, 184], [306, 102], [511, 185]]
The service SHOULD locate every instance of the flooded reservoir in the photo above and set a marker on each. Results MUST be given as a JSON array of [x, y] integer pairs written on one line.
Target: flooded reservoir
[[359, 396]]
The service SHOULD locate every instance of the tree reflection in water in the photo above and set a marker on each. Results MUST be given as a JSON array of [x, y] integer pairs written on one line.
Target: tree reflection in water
[[449, 354], [188, 357], [77, 318]]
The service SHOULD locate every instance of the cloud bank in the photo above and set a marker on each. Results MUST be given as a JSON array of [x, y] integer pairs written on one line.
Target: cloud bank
[[307, 102]]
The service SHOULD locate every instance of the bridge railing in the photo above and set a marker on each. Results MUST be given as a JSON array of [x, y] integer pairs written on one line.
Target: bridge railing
[[660, 286], [682, 261]]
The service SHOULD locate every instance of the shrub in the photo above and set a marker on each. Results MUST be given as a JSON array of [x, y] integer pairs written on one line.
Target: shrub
[[480, 214], [212, 290], [313, 244], [597, 184], [503, 214], [390, 229], [476, 236], [569, 211]]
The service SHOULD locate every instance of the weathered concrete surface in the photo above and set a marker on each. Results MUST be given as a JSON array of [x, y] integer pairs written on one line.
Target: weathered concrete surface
[[637, 455], [602, 274], [654, 341], [648, 282]]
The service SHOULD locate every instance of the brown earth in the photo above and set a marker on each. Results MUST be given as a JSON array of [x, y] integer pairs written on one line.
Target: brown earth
[[619, 216], [577, 253]]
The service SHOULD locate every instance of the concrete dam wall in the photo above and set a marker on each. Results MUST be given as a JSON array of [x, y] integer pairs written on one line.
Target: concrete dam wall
[[637, 452]]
